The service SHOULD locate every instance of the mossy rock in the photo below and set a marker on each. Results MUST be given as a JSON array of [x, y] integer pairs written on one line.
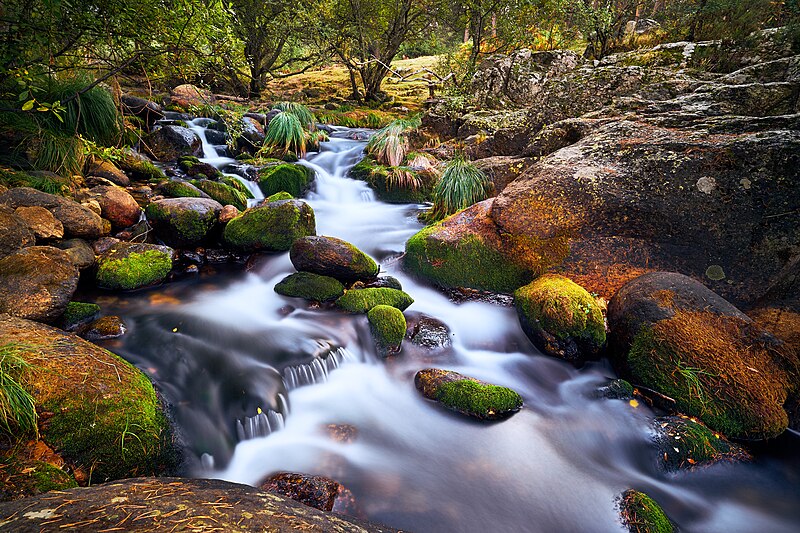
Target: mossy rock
[[23, 477], [641, 514], [139, 167], [376, 175], [183, 222], [685, 444], [270, 227], [466, 395], [388, 327], [180, 189], [224, 194], [329, 256], [294, 179], [617, 389], [310, 286], [230, 181], [363, 300], [131, 266], [105, 417], [283, 195], [464, 250], [561, 318], [77, 314]]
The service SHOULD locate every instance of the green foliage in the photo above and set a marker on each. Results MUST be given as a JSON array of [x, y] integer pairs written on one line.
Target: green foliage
[[303, 113], [17, 408], [40, 182], [285, 134], [732, 21], [461, 185]]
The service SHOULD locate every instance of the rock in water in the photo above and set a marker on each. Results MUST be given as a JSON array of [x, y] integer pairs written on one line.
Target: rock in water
[[293, 179], [318, 492], [78, 314], [310, 287], [561, 318], [685, 444], [224, 194], [37, 283], [640, 514], [107, 327], [673, 335], [362, 300], [183, 222], [329, 256], [131, 266], [466, 395], [388, 327], [270, 227], [168, 143]]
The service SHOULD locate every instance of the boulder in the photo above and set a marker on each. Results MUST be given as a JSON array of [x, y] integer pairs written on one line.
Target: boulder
[[561, 318], [142, 108], [37, 283], [310, 287], [318, 492], [639, 513], [130, 266], [283, 195], [15, 233], [291, 178], [168, 143], [428, 332], [252, 134], [228, 213], [671, 334], [139, 167], [190, 95], [107, 170], [466, 395], [79, 251], [41, 221], [685, 444], [224, 194], [78, 314], [270, 227], [388, 327], [97, 410], [329, 256], [180, 189], [194, 167], [183, 222], [363, 300], [78, 221], [117, 206], [502, 170]]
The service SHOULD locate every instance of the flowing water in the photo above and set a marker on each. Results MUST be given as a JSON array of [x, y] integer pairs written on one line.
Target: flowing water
[[256, 380]]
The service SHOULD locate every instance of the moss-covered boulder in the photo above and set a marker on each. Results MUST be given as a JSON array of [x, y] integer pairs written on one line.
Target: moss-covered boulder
[[139, 167], [107, 327], [103, 414], [671, 334], [224, 194], [362, 300], [78, 314], [283, 195], [235, 183], [294, 179], [270, 227], [180, 189], [310, 287], [37, 283], [465, 250], [561, 318], [466, 395], [194, 168], [329, 256], [684, 444], [388, 327], [183, 222], [130, 266], [641, 514]]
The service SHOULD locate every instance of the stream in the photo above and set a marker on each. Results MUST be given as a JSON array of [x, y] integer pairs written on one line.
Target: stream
[[256, 378]]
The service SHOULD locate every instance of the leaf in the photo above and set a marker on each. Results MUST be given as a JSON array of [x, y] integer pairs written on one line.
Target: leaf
[[22, 96], [27, 106]]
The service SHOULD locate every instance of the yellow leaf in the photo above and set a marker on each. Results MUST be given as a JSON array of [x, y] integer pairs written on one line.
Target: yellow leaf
[[634, 404], [27, 106]]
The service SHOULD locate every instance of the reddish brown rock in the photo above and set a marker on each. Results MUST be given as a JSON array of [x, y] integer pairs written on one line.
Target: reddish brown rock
[[117, 206], [319, 492], [228, 213], [41, 221]]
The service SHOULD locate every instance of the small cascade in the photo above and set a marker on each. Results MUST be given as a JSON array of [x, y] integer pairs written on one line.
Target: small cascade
[[317, 370], [261, 425]]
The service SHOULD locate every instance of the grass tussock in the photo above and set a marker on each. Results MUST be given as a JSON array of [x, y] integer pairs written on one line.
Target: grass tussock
[[462, 184], [17, 407], [303, 113], [285, 134]]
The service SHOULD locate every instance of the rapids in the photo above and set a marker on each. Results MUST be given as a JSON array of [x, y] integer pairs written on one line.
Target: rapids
[[254, 378]]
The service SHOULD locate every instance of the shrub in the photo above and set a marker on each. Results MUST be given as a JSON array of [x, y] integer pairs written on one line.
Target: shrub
[[389, 145]]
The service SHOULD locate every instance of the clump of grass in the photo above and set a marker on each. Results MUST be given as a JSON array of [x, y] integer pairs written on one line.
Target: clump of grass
[[303, 113], [461, 185], [285, 134], [46, 184], [390, 144], [403, 178], [17, 407], [313, 138]]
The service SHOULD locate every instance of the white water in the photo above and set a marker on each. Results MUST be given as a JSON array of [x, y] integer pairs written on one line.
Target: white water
[[555, 466]]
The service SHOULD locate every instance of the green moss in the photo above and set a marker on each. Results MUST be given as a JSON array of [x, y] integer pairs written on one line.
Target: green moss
[[224, 194], [283, 195], [563, 309], [362, 300], [186, 162], [294, 179], [180, 227], [273, 227], [477, 399], [179, 189], [388, 327], [641, 514], [684, 443], [47, 477], [140, 169], [134, 271], [78, 313], [617, 389], [469, 263], [310, 287], [238, 185]]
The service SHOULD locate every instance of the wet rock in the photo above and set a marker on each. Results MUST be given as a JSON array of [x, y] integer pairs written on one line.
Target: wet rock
[[294, 179], [168, 143], [107, 327], [466, 395], [428, 332], [107, 170], [388, 282], [194, 167], [464, 250], [318, 492], [78, 314], [78, 221], [41, 221], [561, 318], [641, 514], [329, 256], [14, 232], [271, 227], [343, 433], [129, 266], [102, 245], [685, 444], [224, 194], [310, 287], [117, 206], [671, 334], [228, 213], [242, 508], [362, 300], [142, 108], [617, 389], [217, 138], [97, 410], [388, 327], [252, 136], [183, 222], [180, 189], [37, 283]]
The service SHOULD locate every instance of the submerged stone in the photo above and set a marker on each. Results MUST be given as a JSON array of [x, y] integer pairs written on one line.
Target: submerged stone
[[466, 395], [318, 492]]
